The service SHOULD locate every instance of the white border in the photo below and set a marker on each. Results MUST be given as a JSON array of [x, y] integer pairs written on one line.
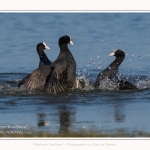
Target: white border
[[68, 11], [76, 5], [76, 143]]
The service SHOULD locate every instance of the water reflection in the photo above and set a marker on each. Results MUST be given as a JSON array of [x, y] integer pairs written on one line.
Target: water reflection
[[119, 114], [42, 120], [66, 117]]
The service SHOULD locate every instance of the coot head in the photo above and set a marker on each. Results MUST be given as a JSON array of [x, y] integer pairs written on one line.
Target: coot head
[[41, 46], [65, 40], [118, 53]]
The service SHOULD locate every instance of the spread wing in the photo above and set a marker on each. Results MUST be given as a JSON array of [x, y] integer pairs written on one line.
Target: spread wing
[[36, 80], [53, 84]]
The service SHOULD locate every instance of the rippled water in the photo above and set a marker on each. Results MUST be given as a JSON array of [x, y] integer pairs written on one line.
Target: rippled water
[[95, 36]]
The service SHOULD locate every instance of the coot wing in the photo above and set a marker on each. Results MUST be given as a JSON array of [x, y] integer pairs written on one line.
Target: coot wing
[[53, 84], [36, 80]]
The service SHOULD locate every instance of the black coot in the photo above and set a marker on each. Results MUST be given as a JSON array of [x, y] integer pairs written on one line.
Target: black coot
[[56, 77], [43, 58], [63, 69], [111, 72]]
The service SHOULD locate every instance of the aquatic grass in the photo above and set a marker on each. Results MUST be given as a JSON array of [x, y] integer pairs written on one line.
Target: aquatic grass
[[81, 133]]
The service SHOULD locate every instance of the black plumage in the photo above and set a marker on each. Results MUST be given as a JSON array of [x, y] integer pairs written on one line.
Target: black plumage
[[43, 58], [111, 72], [56, 77], [63, 69]]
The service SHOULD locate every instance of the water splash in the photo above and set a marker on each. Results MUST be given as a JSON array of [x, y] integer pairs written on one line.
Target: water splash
[[108, 85], [141, 82], [9, 87], [4, 85]]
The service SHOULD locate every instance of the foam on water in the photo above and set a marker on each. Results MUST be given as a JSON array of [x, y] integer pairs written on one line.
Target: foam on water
[[141, 82], [9, 87]]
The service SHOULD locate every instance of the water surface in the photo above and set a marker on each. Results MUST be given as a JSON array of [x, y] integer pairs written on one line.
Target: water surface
[[95, 36]]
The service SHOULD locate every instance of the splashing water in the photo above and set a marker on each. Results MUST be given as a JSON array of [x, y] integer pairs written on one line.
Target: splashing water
[[141, 82], [9, 87]]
